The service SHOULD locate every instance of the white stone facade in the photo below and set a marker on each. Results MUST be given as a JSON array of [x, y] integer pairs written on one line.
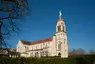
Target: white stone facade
[[54, 46]]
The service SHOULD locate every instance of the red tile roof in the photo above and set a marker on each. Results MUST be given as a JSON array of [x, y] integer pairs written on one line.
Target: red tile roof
[[42, 41], [37, 42]]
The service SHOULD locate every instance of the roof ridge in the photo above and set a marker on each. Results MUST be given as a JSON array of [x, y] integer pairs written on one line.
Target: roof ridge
[[25, 40], [41, 39], [37, 41]]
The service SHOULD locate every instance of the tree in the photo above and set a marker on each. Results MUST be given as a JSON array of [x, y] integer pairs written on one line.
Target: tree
[[91, 52], [78, 51], [10, 10]]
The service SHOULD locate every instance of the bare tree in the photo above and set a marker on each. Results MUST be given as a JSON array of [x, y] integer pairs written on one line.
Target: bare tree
[[91, 51], [10, 10], [81, 51], [78, 51]]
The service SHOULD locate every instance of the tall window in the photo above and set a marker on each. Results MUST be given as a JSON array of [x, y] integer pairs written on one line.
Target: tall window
[[26, 48], [41, 46], [46, 45], [32, 47], [59, 46], [41, 53], [36, 46], [59, 28], [64, 41]]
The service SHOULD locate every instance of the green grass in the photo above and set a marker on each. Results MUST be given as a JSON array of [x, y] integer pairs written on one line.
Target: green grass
[[85, 59]]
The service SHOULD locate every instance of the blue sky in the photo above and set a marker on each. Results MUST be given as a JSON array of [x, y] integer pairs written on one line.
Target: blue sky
[[79, 16]]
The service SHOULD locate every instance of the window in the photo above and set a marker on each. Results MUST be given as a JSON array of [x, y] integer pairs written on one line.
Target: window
[[59, 28], [46, 53], [63, 29], [41, 46], [59, 46], [41, 53], [64, 41], [31, 54], [25, 48], [36, 54], [46, 45], [32, 47], [36, 46]]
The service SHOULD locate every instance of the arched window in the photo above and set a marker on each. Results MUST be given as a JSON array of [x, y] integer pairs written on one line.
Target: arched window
[[59, 28], [59, 46]]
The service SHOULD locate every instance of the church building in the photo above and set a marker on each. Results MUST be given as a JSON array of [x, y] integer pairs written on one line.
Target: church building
[[55, 45]]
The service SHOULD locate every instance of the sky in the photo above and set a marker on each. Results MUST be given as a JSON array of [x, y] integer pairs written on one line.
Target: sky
[[79, 17]]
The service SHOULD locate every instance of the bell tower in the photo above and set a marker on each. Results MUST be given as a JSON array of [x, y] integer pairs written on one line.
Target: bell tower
[[60, 25], [61, 37]]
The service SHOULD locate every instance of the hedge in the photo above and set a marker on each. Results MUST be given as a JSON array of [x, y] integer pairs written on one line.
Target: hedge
[[86, 59]]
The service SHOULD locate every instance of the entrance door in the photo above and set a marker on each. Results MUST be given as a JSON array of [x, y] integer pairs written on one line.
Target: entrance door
[[59, 54]]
